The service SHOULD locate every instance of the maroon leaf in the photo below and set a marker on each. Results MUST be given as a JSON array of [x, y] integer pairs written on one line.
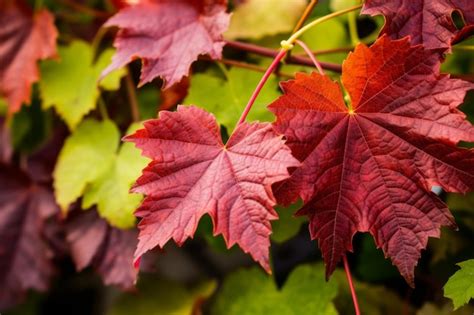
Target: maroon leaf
[[26, 38], [168, 35], [108, 250], [371, 168], [25, 257], [194, 173], [427, 22]]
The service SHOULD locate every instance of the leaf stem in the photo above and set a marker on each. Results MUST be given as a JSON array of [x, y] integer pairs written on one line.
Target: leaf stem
[[311, 56], [290, 41], [103, 109], [99, 35], [351, 285], [267, 52], [84, 9], [286, 45], [303, 18], [305, 15], [260, 85], [352, 19], [132, 96]]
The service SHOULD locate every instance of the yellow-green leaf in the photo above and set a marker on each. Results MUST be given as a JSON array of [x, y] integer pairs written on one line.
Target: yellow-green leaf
[[70, 84], [460, 287]]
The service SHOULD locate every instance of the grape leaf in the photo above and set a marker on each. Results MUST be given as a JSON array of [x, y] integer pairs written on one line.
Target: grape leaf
[[168, 35], [111, 190], [194, 173], [84, 157], [27, 37], [75, 97], [92, 165], [25, 257], [427, 22], [229, 96], [251, 19], [371, 168], [460, 287], [109, 250], [305, 292]]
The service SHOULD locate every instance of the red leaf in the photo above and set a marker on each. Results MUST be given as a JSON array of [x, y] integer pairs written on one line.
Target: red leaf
[[26, 37], [372, 169], [25, 257], [109, 250], [427, 22], [168, 35], [194, 173]]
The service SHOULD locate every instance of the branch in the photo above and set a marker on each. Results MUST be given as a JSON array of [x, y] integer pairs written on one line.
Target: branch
[[305, 15], [244, 65], [272, 53], [86, 10], [132, 96]]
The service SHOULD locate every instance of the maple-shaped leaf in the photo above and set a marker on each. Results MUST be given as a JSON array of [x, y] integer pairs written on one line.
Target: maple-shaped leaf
[[25, 257], [168, 35], [427, 22], [91, 164], [26, 38], [370, 167], [108, 250], [194, 173], [78, 95]]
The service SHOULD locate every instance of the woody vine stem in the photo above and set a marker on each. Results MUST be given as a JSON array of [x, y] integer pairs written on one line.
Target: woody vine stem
[[286, 46]]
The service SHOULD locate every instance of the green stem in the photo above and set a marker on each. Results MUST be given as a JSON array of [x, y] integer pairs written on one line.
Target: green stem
[[97, 40], [103, 109], [132, 96], [288, 44], [352, 19]]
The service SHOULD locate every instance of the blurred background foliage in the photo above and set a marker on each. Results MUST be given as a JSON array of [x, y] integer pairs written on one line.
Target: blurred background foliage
[[203, 277]]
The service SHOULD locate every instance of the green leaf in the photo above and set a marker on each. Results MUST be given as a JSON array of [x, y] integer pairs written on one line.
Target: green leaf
[[335, 36], [373, 299], [287, 224], [258, 18], [254, 292], [160, 297], [84, 158], [460, 287], [70, 85], [446, 309], [111, 190], [226, 97], [89, 165]]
